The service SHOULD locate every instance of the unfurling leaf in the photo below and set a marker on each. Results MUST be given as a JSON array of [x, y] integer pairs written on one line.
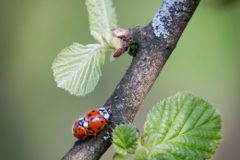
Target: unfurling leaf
[[125, 139], [102, 19], [182, 127], [77, 68]]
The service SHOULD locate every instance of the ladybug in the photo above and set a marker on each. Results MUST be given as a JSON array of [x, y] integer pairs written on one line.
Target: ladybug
[[96, 124], [79, 128], [104, 112], [91, 123], [97, 119], [93, 112]]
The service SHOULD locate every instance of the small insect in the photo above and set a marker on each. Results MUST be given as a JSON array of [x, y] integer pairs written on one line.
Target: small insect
[[91, 123], [104, 112], [97, 120], [91, 113], [96, 124], [78, 129]]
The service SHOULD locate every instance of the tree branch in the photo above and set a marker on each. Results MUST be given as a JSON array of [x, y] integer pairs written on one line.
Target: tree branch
[[156, 42]]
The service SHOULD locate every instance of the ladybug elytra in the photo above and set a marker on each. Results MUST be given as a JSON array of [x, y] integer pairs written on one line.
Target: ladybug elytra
[[96, 124]]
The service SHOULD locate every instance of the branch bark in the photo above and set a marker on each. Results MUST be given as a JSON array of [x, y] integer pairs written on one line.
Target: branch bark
[[156, 42]]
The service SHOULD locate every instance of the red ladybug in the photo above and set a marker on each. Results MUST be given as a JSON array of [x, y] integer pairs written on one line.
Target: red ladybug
[[92, 123], [78, 130], [91, 113], [104, 112], [96, 124], [97, 119]]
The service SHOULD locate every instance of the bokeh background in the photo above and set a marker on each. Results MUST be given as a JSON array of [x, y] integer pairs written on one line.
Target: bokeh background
[[36, 116]]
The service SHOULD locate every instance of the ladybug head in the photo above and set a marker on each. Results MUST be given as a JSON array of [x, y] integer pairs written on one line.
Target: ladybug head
[[105, 112]]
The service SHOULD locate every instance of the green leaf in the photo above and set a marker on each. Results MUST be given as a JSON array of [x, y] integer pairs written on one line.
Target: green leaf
[[77, 68], [141, 153], [182, 127], [117, 156], [102, 19], [125, 139]]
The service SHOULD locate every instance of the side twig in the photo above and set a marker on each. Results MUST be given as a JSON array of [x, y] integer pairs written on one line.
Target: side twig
[[156, 42]]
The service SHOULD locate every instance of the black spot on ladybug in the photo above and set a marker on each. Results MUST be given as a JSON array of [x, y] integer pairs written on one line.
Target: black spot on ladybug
[[102, 122], [93, 111], [91, 118], [99, 128], [90, 128], [79, 129], [89, 114]]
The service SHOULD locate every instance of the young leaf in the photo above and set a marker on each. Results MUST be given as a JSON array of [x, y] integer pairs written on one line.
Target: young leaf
[[102, 19], [182, 127], [141, 153], [117, 156], [125, 139], [77, 68]]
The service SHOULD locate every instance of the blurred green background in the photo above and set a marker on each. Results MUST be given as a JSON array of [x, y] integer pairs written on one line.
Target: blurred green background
[[36, 116]]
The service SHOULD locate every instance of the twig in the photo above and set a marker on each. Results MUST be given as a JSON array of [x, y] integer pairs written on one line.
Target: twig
[[156, 42]]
